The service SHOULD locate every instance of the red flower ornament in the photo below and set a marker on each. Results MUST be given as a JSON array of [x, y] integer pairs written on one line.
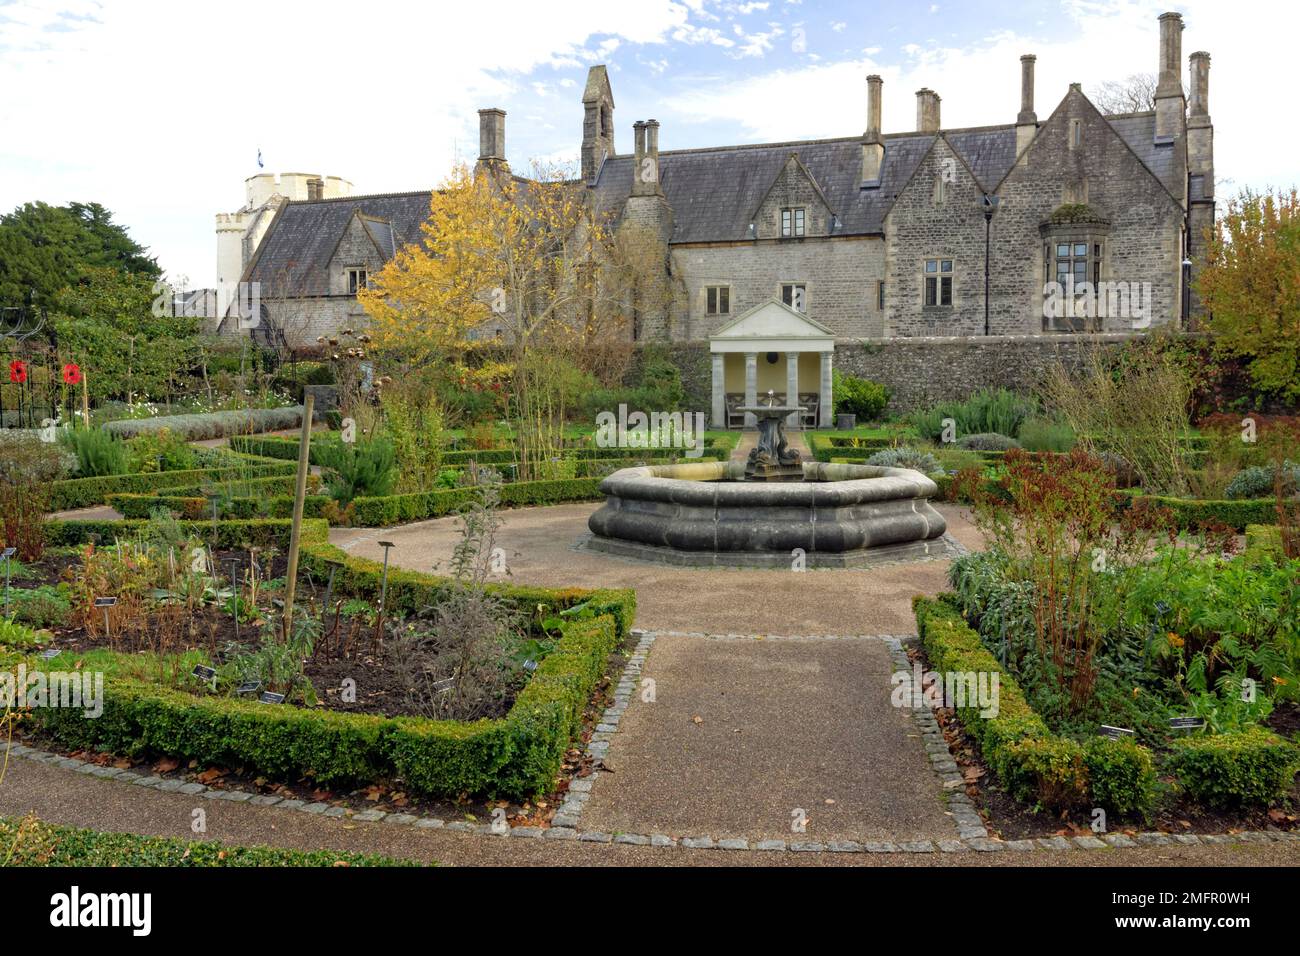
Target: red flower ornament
[[18, 371], [72, 374]]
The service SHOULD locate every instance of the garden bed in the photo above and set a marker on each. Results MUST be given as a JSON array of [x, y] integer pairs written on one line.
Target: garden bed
[[151, 704], [1233, 776]]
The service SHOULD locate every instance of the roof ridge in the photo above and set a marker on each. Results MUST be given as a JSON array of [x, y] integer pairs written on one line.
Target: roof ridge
[[352, 198], [909, 134]]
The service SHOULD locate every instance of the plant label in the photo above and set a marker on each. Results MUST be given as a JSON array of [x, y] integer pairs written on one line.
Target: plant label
[[249, 687], [1186, 723], [530, 666], [443, 686], [105, 601], [271, 698], [1116, 733], [50, 654], [204, 673], [8, 553]]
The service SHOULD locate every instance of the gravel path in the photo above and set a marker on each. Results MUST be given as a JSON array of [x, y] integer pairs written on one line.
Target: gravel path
[[539, 544]]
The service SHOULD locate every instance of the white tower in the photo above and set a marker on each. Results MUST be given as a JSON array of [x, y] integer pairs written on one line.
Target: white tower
[[239, 233]]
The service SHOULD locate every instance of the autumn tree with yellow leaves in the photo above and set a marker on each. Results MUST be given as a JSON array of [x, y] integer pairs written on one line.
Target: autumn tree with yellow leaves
[[520, 265]]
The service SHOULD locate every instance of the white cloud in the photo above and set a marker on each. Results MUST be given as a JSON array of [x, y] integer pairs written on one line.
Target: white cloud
[[157, 109], [1250, 80]]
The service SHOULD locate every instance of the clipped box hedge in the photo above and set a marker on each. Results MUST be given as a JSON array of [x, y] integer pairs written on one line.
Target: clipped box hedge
[[517, 755], [225, 535], [210, 425], [197, 507], [285, 448], [86, 492], [1253, 767], [1190, 513], [1033, 763], [398, 509]]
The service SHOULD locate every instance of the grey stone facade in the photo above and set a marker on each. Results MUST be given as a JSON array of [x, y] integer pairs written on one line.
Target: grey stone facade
[[853, 221]]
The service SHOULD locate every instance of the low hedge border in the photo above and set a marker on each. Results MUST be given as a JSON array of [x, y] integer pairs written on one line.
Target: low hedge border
[[257, 532], [286, 449], [359, 577], [37, 843], [1251, 767], [1254, 767], [196, 508], [87, 492], [398, 509], [1033, 763], [1190, 513], [516, 756]]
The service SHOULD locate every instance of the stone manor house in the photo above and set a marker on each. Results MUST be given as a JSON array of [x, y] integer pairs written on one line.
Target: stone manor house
[[785, 254]]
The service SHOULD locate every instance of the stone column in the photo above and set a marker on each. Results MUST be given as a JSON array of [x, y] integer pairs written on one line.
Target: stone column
[[719, 390], [751, 387], [826, 410], [792, 387]]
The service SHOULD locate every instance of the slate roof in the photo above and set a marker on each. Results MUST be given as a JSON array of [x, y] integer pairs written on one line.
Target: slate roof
[[1139, 131], [713, 193], [294, 257]]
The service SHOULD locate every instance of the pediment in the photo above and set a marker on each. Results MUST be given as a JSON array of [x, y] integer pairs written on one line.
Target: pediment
[[772, 320]]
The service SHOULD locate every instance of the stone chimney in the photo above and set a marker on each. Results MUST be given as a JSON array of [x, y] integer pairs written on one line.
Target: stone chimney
[[315, 188], [1199, 110], [873, 147], [597, 122], [1026, 119], [1200, 170], [927, 111], [645, 168], [1171, 108], [491, 136]]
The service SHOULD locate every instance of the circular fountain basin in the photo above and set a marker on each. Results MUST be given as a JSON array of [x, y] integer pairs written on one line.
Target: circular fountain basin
[[702, 514]]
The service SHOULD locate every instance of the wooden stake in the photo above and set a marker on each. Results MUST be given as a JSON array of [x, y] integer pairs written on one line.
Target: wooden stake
[[304, 466], [85, 400]]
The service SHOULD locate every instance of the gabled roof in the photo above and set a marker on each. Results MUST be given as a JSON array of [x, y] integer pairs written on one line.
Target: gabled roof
[[802, 170], [713, 192], [772, 319], [294, 257]]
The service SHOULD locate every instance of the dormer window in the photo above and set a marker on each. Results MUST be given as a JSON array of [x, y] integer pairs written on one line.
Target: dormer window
[[358, 279], [792, 222]]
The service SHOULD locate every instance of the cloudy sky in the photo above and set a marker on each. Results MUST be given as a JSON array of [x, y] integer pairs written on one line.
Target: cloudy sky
[[157, 108]]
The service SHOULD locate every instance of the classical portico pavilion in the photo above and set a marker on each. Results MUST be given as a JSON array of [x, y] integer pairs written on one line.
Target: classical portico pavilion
[[774, 348]]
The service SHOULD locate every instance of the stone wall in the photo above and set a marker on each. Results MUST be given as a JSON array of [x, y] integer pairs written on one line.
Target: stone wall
[[920, 371], [839, 274]]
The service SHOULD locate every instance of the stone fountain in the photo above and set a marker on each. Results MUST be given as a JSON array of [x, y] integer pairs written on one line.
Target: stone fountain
[[772, 458], [773, 510]]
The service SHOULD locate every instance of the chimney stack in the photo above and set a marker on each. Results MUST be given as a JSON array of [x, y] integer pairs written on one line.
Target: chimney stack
[[927, 111], [645, 171], [1027, 119], [491, 136], [873, 147], [1170, 105], [1200, 106]]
